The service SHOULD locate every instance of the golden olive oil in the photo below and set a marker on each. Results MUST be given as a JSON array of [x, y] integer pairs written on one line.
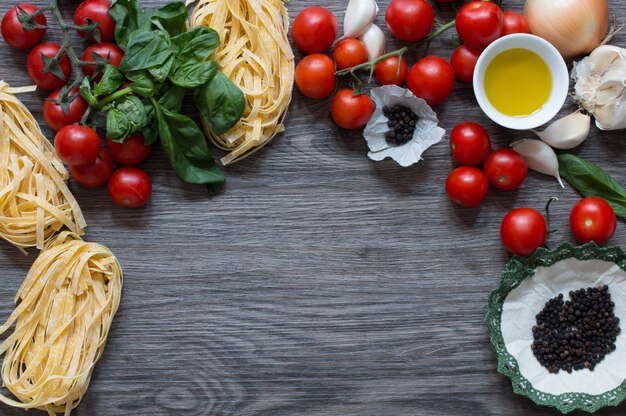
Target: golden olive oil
[[517, 82]]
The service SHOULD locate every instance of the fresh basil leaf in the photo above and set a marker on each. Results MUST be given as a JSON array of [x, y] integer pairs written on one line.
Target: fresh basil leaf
[[172, 98], [193, 74], [141, 83], [221, 103], [171, 17], [150, 130], [125, 14], [197, 44], [110, 82], [147, 50], [128, 116], [86, 92], [591, 180], [187, 149], [160, 72]]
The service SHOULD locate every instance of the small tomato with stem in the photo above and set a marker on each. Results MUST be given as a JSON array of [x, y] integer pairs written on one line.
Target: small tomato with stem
[[391, 71], [35, 65], [13, 30], [351, 110]]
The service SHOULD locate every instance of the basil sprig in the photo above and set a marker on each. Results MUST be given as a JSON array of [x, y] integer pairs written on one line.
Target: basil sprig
[[591, 180], [161, 61]]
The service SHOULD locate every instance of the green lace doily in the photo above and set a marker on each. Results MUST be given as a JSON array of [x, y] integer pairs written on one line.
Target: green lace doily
[[515, 272]]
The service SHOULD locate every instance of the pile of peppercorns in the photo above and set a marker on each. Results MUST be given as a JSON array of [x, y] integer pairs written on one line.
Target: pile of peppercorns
[[576, 334], [402, 122]]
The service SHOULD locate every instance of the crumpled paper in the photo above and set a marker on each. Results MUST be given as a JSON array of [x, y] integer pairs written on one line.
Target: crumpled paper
[[426, 134], [528, 299]]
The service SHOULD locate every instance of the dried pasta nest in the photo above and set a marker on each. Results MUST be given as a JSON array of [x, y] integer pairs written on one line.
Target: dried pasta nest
[[525, 286]]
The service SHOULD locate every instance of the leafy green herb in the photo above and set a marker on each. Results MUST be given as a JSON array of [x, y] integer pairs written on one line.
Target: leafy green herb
[[112, 79], [125, 117], [220, 102], [147, 50], [141, 83], [171, 17], [191, 68], [86, 93], [591, 180], [126, 16]]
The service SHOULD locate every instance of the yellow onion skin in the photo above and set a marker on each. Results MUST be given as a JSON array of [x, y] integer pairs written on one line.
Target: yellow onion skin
[[574, 27]]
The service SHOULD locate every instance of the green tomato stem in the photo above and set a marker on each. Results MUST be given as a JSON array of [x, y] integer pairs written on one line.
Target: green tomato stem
[[113, 97]]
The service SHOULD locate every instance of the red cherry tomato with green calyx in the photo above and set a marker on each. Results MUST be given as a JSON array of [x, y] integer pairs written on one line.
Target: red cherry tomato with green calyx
[[314, 29], [77, 145], [13, 30], [523, 231], [97, 11], [130, 187], [35, 66], [54, 115], [351, 111], [593, 219], [106, 50]]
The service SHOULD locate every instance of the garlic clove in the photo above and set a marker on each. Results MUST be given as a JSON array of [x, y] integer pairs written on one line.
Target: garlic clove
[[566, 132], [360, 14], [539, 157], [611, 116], [604, 57], [374, 41]]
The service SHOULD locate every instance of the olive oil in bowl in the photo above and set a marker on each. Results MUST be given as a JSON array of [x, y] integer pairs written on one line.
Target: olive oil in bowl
[[517, 82]]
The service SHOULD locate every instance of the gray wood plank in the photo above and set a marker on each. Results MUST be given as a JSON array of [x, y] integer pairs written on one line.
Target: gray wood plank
[[317, 283]]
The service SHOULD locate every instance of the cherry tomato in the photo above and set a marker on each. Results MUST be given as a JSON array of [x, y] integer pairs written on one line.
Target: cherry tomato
[[96, 174], [463, 62], [349, 52], [132, 151], [106, 50], [130, 187], [410, 20], [470, 143], [506, 169], [54, 115], [13, 30], [388, 73], [479, 23], [315, 76], [351, 111], [593, 219], [314, 29], [514, 23], [431, 78], [77, 145], [523, 231], [35, 66], [98, 11], [467, 185]]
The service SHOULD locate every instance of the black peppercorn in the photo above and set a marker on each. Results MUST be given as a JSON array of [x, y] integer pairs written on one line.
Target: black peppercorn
[[402, 122]]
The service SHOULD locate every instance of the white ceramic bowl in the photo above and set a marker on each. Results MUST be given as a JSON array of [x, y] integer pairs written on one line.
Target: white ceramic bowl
[[558, 69]]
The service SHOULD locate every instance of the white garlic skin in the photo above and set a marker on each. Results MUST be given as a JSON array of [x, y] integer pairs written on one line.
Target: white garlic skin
[[567, 132], [374, 41], [601, 86], [360, 14], [539, 157]]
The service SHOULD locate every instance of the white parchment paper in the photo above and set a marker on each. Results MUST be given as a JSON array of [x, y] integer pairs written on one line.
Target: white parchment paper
[[529, 298]]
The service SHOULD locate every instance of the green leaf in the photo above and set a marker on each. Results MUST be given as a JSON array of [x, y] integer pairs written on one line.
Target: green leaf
[[193, 74], [147, 50], [172, 98], [191, 68], [160, 72], [111, 80], [591, 180], [187, 149], [125, 13], [171, 17], [126, 117], [220, 102], [141, 83], [86, 92]]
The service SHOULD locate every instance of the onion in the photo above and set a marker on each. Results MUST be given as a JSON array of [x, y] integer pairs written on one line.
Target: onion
[[574, 27]]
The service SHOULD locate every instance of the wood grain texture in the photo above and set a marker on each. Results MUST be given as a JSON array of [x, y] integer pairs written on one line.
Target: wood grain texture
[[317, 283]]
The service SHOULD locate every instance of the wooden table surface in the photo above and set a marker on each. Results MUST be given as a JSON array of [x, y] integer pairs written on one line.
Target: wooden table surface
[[318, 282]]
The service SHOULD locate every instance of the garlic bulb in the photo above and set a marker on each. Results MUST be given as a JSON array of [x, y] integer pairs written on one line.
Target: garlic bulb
[[360, 14], [374, 41], [566, 132], [539, 157], [600, 86]]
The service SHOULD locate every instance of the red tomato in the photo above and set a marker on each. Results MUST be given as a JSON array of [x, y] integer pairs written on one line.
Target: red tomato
[[98, 11], [479, 23], [523, 231], [77, 145], [54, 115], [96, 174], [315, 76], [593, 219], [13, 31], [470, 143], [514, 23], [314, 29], [431, 78], [351, 111], [463, 62], [106, 50], [130, 187], [349, 52], [388, 73], [35, 66], [506, 169], [132, 151], [410, 20], [467, 185]]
